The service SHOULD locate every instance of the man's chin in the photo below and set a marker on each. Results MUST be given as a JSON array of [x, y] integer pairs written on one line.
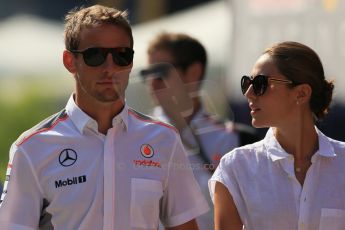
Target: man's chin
[[109, 98]]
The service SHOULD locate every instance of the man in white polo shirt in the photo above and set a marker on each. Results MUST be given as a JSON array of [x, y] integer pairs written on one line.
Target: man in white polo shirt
[[98, 164], [175, 77]]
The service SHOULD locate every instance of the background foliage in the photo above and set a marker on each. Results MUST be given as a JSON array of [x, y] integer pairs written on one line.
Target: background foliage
[[23, 108]]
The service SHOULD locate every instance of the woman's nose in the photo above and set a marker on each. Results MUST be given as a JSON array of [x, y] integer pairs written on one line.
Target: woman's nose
[[250, 92]]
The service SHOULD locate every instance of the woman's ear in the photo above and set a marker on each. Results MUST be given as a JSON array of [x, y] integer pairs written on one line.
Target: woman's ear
[[68, 61], [303, 93]]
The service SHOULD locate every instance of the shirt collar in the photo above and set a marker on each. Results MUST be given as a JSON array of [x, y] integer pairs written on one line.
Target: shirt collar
[[82, 120], [276, 152], [122, 118], [159, 113], [199, 115], [325, 147]]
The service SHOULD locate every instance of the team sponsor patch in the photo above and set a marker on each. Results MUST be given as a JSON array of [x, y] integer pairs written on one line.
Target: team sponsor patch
[[70, 181], [146, 163], [67, 157], [146, 151]]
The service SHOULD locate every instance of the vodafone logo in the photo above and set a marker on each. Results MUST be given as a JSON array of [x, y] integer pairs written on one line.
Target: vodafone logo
[[146, 151]]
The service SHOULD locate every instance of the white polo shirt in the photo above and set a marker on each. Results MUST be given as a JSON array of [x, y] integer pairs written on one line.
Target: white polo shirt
[[64, 174], [216, 139], [262, 182]]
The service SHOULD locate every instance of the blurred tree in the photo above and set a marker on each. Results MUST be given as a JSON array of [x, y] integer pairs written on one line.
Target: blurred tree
[[16, 117]]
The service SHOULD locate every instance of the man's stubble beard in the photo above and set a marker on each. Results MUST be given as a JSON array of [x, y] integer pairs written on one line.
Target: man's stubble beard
[[112, 95]]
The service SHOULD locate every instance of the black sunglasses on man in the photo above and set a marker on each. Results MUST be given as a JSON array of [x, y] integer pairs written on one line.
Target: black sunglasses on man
[[96, 56]]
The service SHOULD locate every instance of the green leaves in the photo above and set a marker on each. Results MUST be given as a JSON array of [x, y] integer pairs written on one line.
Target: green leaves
[[21, 110]]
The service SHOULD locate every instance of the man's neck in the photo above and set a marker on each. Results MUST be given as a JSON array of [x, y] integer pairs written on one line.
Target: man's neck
[[179, 121], [102, 112]]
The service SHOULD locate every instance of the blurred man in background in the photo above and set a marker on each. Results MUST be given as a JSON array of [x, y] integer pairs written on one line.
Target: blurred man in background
[[175, 76]]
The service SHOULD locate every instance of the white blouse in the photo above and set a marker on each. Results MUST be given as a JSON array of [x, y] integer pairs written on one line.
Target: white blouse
[[267, 194]]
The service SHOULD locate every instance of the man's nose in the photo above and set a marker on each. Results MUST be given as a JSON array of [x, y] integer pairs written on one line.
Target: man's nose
[[109, 62], [109, 66]]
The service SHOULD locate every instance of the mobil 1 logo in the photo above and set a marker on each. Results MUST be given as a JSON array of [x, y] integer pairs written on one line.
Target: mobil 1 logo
[[70, 181]]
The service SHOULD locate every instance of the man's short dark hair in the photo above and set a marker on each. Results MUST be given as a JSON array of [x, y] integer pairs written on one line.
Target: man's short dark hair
[[184, 49], [96, 15]]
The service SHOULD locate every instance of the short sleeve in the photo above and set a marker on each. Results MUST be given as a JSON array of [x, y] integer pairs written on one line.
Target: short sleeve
[[225, 174], [182, 199], [21, 201]]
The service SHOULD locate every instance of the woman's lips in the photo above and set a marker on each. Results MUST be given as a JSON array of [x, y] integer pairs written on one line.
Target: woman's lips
[[254, 109]]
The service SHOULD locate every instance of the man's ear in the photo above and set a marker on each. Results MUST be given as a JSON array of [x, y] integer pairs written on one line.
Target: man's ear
[[303, 93], [68, 61], [194, 72]]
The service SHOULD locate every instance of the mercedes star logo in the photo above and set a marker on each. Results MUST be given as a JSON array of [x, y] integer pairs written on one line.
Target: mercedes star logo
[[67, 157]]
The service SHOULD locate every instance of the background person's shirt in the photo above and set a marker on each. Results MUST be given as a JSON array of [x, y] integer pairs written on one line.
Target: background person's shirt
[[206, 140]]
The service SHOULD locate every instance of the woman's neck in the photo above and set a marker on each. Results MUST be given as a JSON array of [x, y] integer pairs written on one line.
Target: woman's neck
[[299, 138]]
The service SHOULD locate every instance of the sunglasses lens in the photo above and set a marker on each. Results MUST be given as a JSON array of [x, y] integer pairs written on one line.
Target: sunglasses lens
[[260, 84], [97, 56], [94, 56], [123, 56], [156, 71], [245, 83]]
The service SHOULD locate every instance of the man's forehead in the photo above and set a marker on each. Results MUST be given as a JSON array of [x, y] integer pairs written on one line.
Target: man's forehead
[[104, 34]]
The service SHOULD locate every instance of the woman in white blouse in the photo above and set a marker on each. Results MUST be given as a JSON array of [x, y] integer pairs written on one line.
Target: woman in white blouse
[[295, 177]]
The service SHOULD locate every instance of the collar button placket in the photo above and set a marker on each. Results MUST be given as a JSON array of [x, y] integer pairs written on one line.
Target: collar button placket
[[109, 181], [288, 166], [305, 199]]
